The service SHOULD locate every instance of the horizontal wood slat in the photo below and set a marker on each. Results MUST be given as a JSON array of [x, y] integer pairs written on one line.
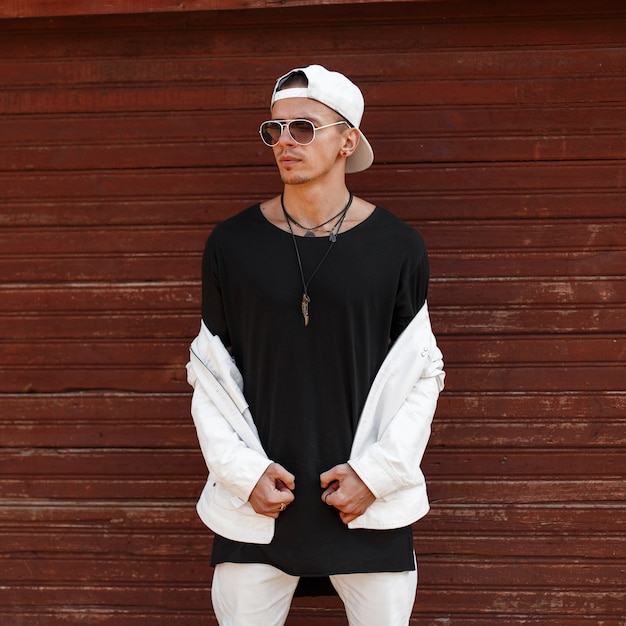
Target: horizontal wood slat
[[499, 131], [37, 8], [548, 69]]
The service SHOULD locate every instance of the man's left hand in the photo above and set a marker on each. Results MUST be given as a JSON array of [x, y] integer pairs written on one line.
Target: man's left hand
[[346, 492]]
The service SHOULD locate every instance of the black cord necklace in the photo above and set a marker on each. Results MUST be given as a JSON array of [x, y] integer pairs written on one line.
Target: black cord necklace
[[310, 232], [306, 300]]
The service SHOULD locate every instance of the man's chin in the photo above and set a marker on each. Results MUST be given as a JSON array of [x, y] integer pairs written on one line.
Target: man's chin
[[294, 178]]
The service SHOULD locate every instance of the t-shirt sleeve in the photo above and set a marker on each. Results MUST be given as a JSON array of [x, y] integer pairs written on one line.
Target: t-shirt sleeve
[[213, 313], [412, 285]]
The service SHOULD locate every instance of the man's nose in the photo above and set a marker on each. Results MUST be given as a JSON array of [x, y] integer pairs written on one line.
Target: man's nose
[[285, 135]]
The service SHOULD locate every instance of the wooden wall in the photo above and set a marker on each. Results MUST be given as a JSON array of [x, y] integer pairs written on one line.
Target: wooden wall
[[499, 131]]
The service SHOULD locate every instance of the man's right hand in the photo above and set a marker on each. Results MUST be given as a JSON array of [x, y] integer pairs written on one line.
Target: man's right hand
[[273, 491]]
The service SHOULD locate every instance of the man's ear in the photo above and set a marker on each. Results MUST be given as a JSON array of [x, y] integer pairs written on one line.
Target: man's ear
[[351, 139]]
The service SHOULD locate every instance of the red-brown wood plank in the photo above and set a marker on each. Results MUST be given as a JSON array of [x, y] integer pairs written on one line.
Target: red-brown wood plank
[[15, 8], [506, 67]]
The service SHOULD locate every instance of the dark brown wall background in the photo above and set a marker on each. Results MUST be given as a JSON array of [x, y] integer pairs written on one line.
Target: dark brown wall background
[[499, 131]]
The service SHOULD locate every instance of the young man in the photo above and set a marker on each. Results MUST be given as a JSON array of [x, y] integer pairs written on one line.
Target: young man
[[316, 376]]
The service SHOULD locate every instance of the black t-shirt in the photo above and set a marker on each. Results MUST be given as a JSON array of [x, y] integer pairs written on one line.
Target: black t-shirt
[[306, 386]]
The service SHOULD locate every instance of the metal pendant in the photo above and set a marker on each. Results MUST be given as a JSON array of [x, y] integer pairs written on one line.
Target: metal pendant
[[305, 308]]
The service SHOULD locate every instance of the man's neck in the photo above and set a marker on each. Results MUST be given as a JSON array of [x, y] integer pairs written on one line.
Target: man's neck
[[313, 205]]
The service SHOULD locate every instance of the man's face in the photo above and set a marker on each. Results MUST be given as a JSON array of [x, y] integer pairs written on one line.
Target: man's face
[[300, 164]]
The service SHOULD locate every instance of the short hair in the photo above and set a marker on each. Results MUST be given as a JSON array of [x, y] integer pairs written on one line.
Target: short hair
[[295, 79]]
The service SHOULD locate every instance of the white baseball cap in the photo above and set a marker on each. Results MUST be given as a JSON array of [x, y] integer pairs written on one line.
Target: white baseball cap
[[338, 93]]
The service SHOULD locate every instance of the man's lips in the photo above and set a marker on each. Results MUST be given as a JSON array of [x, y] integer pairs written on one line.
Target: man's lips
[[288, 159]]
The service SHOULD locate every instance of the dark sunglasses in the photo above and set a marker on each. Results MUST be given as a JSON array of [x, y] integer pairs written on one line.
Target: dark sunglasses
[[301, 131]]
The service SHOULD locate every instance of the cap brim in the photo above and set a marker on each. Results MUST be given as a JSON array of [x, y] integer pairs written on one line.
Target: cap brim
[[362, 157]]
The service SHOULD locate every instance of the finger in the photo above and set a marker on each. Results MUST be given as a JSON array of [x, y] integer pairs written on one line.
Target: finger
[[274, 509], [332, 489], [328, 477], [346, 518], [281, 486], [287, 498], [284, 477], [270, 510]]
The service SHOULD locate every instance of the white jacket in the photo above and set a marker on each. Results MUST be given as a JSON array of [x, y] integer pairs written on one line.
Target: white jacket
[[388, 446]]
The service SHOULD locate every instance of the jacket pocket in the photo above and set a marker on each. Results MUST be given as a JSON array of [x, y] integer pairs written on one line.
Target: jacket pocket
[[221, 497]]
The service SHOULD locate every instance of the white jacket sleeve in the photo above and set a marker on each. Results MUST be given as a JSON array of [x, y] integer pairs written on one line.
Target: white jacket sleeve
[[393, 462], [229, 459]]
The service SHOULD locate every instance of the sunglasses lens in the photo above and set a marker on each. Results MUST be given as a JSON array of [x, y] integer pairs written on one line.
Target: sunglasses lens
[[270, 132], [302, 131]]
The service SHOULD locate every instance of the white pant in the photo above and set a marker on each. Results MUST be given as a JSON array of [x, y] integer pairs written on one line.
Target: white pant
[[255, 594]]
